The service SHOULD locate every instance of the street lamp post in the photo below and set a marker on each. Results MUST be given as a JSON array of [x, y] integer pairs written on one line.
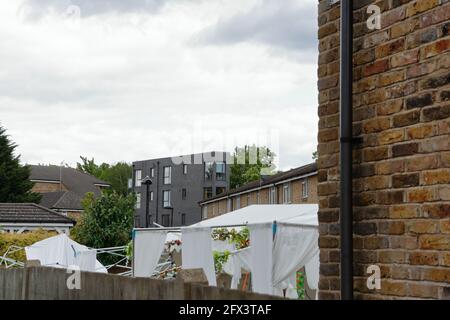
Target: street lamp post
[[147, 181]]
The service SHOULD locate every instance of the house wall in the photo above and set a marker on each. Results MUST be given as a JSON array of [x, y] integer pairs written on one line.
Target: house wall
[[402, 168], [43, 187], [296, 196]]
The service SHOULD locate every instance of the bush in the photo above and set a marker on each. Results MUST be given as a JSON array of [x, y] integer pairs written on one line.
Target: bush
[[22, 240], [107, 221]]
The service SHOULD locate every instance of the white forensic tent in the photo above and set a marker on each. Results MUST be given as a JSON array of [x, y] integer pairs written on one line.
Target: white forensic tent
[[283, 239], [61, 252]]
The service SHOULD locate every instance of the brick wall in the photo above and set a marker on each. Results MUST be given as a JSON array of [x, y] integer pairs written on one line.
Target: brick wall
[[402, 168], [220, 206], [43, 187]]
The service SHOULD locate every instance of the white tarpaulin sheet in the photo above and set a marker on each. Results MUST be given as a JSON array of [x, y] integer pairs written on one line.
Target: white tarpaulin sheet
[[148, 247], [197, 252], [294, 247], [305, 214], [261, 257], [61, 251]]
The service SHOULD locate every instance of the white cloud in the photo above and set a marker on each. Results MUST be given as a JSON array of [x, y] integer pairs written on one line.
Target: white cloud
[[127, 84]]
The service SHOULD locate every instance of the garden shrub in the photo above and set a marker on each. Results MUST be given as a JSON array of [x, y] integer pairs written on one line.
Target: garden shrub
[[22, 240]]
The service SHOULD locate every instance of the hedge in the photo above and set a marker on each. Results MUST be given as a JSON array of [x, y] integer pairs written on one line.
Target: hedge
[[22, 240]]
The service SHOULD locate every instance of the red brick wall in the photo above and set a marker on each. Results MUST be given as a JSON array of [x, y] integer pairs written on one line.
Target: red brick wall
[[402, 168]]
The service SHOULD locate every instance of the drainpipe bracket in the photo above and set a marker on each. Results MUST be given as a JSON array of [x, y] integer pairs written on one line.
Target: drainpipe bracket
[[353, 140]]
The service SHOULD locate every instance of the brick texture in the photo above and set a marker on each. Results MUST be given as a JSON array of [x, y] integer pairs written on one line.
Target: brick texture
[[401, 192]]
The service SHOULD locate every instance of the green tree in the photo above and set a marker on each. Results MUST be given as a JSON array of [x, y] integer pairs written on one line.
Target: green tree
[[15, 184], [250, 163], [107, 221], [117, 174]]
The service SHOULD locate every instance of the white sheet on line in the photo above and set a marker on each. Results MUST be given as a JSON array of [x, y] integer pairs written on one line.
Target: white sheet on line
[[237, 261], [261, 257], [197, 252], [312, 271], [294, 247], [148, 247]]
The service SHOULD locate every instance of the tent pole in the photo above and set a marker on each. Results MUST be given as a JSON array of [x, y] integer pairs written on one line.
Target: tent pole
[[346, 139]]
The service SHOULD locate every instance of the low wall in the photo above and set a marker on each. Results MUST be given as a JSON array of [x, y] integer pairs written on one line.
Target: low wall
[[43, 283]]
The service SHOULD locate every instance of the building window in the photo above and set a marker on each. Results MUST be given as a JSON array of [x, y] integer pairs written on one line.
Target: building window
[[272, 195], [238, 202], [167, 175], [138, 200], [183, 219], [209, 169], [220, 190], [151, 195], [207, 193], [165, 220], [205, 212], [305, 188], [166, 198], [220, 171], [152, 172], [183, 194], [185, 168], [138, 178], [286, 193]]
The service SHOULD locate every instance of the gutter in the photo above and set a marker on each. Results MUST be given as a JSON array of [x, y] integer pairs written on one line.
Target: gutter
[[346, 144]]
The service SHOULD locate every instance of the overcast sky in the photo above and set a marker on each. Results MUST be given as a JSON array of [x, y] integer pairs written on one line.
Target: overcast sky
[[131, 80]]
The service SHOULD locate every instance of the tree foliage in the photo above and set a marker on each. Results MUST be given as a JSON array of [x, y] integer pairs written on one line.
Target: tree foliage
[[117, 174], [250, 163], [15, 184], [107, 221]]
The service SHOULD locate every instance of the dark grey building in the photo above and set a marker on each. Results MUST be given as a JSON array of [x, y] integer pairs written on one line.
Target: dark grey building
[[177, 185]]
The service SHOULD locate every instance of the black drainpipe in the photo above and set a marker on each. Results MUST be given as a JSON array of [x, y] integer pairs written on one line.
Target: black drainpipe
[[157, 191], [346, 137]]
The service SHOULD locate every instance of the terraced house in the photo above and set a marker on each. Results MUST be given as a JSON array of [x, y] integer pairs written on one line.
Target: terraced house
[[295, 186]]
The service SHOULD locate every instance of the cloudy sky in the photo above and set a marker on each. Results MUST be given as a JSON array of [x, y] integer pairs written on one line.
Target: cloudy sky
[[130, 80]]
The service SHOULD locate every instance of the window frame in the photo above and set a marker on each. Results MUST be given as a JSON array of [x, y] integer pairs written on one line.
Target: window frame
[[169, 200], [138, 178], [286, 193], [305, 188], [167, 179], [209, 176], [272, 195], [138, 200], [223, 176]]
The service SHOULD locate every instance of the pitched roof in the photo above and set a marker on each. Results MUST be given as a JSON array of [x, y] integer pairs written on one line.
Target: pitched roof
[[268, 180], [77, 183], [62, 200], [30, 213]]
